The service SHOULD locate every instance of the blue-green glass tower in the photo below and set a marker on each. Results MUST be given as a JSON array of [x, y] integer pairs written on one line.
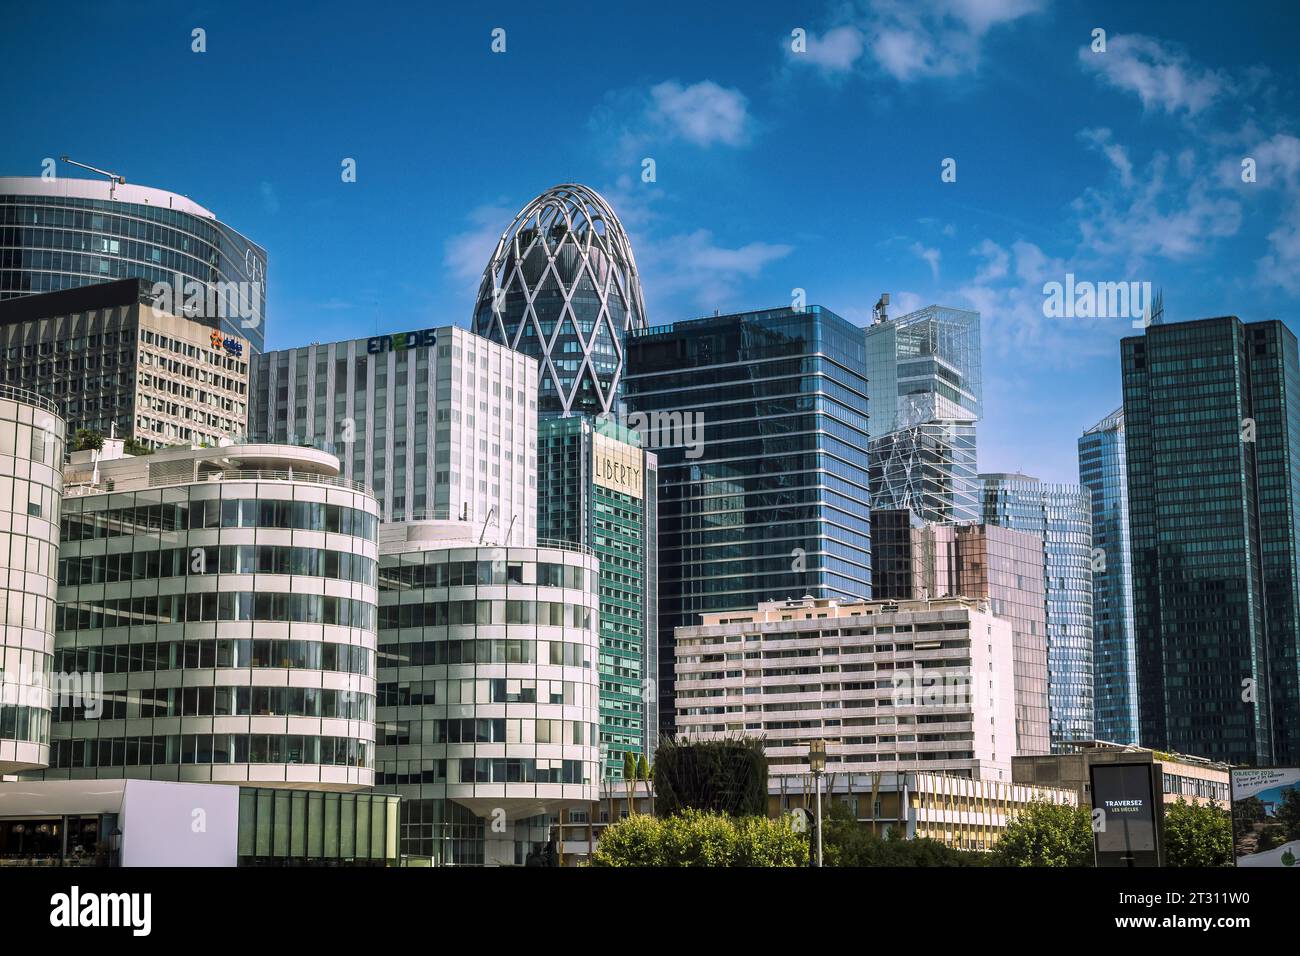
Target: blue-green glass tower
[[759, 420], [596, 487], [1103, 471], [1213, 442], [1062, 516]]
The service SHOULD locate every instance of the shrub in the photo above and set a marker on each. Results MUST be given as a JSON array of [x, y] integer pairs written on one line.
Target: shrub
[[696, 838]]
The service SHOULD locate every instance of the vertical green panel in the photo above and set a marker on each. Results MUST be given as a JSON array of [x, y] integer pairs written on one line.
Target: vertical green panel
[[263, 839], [316, 825], [247, 818], [393, 829], [280, 828], [363, 826], [348, 826], [298, 825], [331, 826], [377, 828]]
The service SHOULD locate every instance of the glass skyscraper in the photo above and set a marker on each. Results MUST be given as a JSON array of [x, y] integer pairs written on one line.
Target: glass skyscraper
[[562, 286], [597, 489], [1212, 411], [64, 233], [1062, 516], [1103, 471], [924, 383], [771, 502]]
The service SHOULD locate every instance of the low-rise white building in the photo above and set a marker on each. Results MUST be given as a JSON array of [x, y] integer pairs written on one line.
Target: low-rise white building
[[890, 686]]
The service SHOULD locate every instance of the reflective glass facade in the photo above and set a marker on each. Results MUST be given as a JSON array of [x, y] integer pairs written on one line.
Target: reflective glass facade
[[929, 469], [597, 488], [772, 502], [1062, 516], [562, 286], [1213, 443], [64, 233], [31, 493], [926, 391], [1103, 470]]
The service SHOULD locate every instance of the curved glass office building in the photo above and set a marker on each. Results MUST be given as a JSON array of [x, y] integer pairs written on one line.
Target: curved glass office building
[[562, 286], [31, 489], [489, 691], [217, 607], [63, 233]]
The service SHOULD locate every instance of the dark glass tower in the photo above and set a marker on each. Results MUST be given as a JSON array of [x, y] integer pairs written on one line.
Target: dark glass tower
[[1103, 471], [1213, 435], [772, 501], [562, 286]]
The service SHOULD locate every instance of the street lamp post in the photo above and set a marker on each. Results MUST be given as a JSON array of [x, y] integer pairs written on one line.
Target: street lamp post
[[817, 764]]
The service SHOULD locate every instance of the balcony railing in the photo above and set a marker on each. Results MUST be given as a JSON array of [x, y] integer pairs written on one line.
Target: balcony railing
[[15, 394]]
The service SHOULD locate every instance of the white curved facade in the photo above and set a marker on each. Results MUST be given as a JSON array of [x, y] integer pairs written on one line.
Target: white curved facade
[[222, 602], [489, 693], [562, 286], [31, 491]]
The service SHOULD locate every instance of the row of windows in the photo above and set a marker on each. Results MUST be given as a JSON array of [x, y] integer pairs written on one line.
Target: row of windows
[[223, 702], [495, 690], [224, 606], [24, 723], [223, 559], [485, 730], [511, 651], [220, 513], [414, 572], [149, 656], [171, 749], [445, 613]]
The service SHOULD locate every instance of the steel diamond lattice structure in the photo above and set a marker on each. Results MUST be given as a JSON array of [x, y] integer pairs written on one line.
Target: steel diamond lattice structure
[[562, 286]]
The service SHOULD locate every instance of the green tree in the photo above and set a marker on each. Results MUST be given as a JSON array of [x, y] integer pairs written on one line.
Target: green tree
[[725, 776], [1046, 834], [1197, 835], [846, 842], [87, 439], [697, 838], [1288, 814], [133, 447], [629, 780], [642, 768]]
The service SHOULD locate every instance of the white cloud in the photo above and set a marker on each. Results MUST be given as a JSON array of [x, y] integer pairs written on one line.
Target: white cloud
[[695, 266], [466, 254], [930, 256], [1163, 77], [910, 39], [1278, 167], [1117, 154], [638, 122], [1138, 222], [835, 51]]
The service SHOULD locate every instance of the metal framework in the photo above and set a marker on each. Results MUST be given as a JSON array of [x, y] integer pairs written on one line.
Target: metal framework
[[563, 287]]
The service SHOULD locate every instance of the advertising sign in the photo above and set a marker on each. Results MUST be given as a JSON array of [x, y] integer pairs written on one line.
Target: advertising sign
[[401, 341], [1125, 814], [1266, 817]]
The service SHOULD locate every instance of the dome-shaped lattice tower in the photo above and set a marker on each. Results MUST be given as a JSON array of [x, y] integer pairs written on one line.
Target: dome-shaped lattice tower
[[562, 286]]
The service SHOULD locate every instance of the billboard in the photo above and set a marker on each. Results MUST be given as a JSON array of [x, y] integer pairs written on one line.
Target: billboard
[[1125, 814], [1266, 817]]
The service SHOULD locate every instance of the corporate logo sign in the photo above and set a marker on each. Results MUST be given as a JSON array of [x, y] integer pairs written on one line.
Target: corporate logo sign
[[401, 341], [227, 344]]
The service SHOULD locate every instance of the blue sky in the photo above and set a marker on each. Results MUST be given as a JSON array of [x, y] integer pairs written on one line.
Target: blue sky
[[775, 170]]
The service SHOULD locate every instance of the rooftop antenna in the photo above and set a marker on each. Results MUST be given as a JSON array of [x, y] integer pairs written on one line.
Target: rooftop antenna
[[114, 180], [881, 311], [1157, 308]]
